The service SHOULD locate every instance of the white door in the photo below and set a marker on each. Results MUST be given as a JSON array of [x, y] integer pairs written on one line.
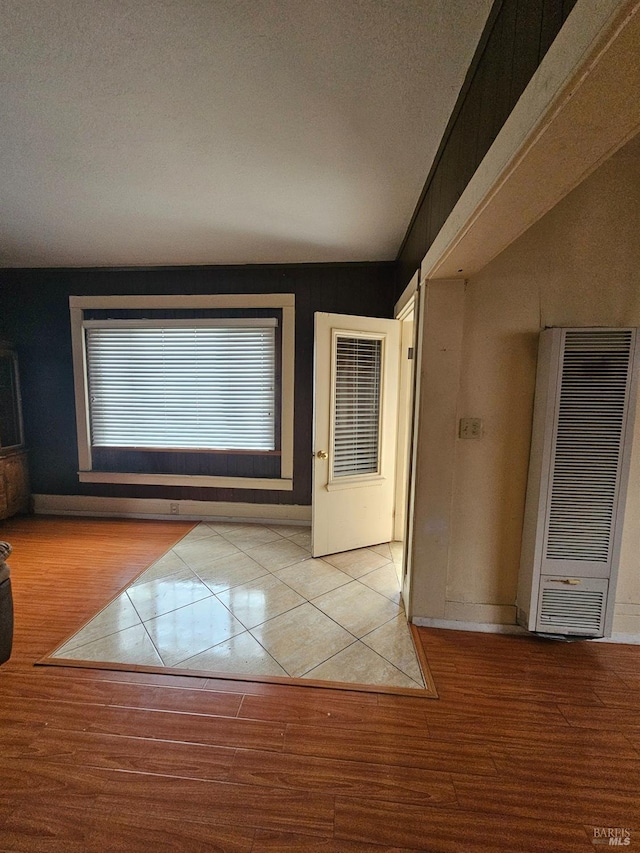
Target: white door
[[354, 443]]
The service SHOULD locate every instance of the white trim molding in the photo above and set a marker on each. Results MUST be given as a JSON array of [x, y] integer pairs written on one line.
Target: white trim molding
[[454, 625], [406, 299], [282, 301], [172, 302], [579, 107], [163, 508], [516, 630], [622, 639], [195, 480]]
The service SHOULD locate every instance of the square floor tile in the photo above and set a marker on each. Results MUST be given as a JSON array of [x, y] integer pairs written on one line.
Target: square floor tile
[[190, 630], [361, 665], [231, 571], [288, 529], [131, 645], [384, 550], [278, 555], [312, 578], [204, 551], [223, 527], [242, 654], [268, 588], [167, 565], [357, 608], [200, 531], [118, 615], [397, 551], [259, 600], [385, 581], [166, 594], [302, 539], [247, 536], [393, 642], [302, 638], [356, 563]]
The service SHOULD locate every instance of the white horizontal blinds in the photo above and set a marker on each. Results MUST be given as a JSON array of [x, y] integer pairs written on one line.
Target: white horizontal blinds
[[588, 444], [357, 406], [182, 387]]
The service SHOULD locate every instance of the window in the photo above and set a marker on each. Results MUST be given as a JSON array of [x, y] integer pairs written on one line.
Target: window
[[189, 400], [357, 406], [182, 386]]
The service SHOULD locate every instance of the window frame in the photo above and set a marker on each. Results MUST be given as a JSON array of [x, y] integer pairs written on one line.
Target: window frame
[[338, 336], [280, 301]]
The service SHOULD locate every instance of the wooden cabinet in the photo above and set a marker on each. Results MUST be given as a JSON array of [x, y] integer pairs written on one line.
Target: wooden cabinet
[[14, 483], [14, 479]]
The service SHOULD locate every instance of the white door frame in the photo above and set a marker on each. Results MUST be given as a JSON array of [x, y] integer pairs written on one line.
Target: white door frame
[[405, 415], [353, 510], [411, 301]]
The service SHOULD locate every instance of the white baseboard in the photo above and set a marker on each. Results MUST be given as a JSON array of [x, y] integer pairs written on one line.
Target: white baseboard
[[624, 639], [483, 627], [160, 508], [492, 628]]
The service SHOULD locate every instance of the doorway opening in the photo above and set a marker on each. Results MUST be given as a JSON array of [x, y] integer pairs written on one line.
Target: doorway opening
[[364, 402], [403, 507]]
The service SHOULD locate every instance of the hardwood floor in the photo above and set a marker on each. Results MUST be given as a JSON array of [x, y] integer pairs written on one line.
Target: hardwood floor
[[530, 747]]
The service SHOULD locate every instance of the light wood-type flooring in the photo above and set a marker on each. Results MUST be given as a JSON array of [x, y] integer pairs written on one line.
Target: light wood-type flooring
[[532, 745]]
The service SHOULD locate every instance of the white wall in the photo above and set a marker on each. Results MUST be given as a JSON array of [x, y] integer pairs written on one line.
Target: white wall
[[579, 265]]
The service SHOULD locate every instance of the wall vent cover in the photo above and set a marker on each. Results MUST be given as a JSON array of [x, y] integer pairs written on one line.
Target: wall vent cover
[[587, 450], [572, 611]]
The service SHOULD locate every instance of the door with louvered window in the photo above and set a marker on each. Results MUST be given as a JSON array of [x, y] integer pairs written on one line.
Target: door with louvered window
[[355, 418]]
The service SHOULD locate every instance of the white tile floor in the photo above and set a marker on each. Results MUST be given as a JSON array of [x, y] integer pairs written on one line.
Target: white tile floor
[[249, 598]]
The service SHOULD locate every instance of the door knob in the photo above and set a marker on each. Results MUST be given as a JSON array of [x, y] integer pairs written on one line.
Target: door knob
[[322, 454]]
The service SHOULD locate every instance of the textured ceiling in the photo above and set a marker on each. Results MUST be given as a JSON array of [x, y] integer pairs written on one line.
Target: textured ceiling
[[221, 131]]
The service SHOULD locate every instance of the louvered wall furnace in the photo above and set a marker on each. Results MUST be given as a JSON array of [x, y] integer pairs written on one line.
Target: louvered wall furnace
[[578, 473]]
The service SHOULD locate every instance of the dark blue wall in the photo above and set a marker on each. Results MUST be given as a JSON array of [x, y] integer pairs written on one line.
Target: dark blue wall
[[35, 317]]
